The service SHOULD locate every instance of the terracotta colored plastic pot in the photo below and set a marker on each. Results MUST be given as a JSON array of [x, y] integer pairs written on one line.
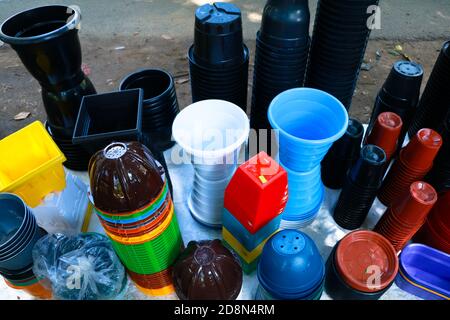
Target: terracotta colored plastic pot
[[360, 255], [419, 154], [36, 290], [386, 132]]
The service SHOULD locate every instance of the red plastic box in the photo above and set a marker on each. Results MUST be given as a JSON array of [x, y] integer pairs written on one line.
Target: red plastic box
[[258, 192]]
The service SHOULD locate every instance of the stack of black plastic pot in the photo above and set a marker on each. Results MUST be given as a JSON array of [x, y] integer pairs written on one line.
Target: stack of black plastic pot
[[340, 37], [399, 94], [360, 188], [342, 156], [435, 101], [160, 105], [282, 46], [439, 176], [218, 59], [46, 40]]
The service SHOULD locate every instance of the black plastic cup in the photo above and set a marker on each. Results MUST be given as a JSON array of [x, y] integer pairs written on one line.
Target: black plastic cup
[[108, 117], [218, 53], [338, 289], [342, 155], [360, 188], [340, 35], [160, 105], [399, 94], [434, 103]]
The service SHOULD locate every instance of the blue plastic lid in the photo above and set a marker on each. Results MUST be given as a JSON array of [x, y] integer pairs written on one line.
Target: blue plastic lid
[[290, 264], [218, 18]]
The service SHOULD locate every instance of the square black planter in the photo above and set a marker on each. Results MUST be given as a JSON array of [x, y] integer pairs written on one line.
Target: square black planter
[[109, 117]]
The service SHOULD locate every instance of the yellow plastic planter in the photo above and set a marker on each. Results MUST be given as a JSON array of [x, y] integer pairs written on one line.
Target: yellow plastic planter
[[31, 164]]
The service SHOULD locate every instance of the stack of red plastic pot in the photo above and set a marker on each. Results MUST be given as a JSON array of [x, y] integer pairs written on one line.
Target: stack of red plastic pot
[[436, 230], [407, 214], [386, 132], [413, 163]]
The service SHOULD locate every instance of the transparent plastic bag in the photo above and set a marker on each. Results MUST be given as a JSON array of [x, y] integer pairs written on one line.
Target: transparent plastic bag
[[82, 267]]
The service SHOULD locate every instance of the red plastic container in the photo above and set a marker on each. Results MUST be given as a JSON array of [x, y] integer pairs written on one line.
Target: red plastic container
[[361, 254], [386, 132], [258, 192], [407, 214], [414, 162], [436, 230]]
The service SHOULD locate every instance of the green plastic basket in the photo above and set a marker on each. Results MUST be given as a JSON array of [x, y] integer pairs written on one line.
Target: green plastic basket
[[152, 256]]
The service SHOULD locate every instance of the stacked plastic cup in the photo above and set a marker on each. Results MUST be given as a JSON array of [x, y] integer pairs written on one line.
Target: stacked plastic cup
[[19, 232], [436, 230], [134, 205], [414, 162], [360, 188], [362, 266], [439, 176], [407, 214], [399, 94], [307, 122], [218, 59], [290, 268], [386, 133], [160, 105], [342, 155], [254, 200], [433, 105], [210, 134], [281, 55], [338, 45]]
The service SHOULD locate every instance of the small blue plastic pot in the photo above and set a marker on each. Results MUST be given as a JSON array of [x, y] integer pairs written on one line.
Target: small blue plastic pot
[[308, 121], [248, 240], [291, 266]]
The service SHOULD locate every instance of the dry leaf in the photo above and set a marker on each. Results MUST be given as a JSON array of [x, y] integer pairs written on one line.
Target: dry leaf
[[182, 81], [22, 115], [166, 37]]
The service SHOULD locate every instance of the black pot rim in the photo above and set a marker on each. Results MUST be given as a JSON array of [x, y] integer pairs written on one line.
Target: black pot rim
[[72, 24], [221, 66]]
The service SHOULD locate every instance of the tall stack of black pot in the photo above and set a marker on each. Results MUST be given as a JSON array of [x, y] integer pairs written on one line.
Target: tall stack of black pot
[[360, 188], [439, 176], [46, 40], [399, 94], [282, 46], [342, 156], [435, 101], [339, 42], [218, 59]]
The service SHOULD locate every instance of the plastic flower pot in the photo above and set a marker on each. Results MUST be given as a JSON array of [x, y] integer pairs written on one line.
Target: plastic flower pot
[[38, 290], [31, 164], [160, 104], [424, 272], [218, 49], [308, 121], [400, 95], [51, 33], [433, 105], [342, 155], [207, 270], [290, 265], [386, 133], [123, 122], [211, 133], [154, 281]]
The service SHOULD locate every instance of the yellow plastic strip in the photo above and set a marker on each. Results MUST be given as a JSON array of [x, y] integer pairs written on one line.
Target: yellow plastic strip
[[248, 256], [87, 218], [423, 288]]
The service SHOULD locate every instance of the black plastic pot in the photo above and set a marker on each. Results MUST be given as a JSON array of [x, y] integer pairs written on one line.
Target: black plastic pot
[[434, 103], [399, 94], [46, 40], [338, 289], [342, 155], [104, 118], [218, 59], [360, 188], [337, 50], [160, 105]]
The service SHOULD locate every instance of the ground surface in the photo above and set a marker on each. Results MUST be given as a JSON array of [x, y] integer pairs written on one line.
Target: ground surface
[[157, 33]]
